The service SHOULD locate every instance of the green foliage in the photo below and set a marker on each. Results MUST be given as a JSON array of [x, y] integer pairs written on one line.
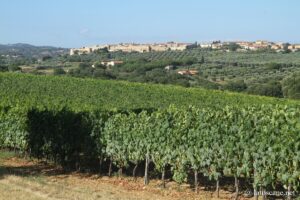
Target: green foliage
[[201, 82], [3, 68], [271, 88], [260, 142], [237, 86], [220, 67], [84, 65], [74, 58], [59, 71], [291, 86], [231, 46], [202, 60], [74, 121], [47, 57], [58, 135], [13, 68], [274, 66], [89, 94]]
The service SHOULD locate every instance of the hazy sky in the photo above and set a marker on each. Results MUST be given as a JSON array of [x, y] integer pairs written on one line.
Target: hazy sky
[[74, 23]]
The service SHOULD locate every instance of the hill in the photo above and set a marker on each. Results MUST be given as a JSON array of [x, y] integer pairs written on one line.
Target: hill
[[260, 73], [87, 94], [29, 51]]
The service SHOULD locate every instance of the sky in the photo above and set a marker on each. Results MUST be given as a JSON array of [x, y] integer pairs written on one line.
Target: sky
[[76, 23]]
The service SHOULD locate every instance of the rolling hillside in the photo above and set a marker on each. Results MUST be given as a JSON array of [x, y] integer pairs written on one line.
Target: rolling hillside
[[82, 94]]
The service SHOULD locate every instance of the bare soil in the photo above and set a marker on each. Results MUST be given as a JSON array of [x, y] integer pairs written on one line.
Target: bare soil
[[23, 179]]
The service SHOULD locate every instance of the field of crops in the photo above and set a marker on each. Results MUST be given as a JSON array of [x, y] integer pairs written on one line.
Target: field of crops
[[217, 56], [75, 122], [89, 94], [248, 66]]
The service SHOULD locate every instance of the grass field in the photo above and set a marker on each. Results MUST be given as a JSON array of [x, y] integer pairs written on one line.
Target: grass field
[[24, 179]]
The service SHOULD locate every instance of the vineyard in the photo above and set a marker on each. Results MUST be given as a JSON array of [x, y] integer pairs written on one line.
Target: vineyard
[[260, 72], [89, 94], [182, 131], [265, 72]]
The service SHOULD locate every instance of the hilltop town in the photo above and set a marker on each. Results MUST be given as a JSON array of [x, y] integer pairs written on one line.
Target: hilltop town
[[173, 46], [133, 47]]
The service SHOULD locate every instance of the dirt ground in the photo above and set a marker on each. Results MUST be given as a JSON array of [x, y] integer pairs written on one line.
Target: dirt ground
[[21, 179]]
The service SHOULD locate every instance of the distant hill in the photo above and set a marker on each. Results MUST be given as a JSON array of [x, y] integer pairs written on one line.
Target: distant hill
[[27, 50]]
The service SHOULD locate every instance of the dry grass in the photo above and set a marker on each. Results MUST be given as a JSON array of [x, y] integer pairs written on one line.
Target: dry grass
[[30, 180]]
